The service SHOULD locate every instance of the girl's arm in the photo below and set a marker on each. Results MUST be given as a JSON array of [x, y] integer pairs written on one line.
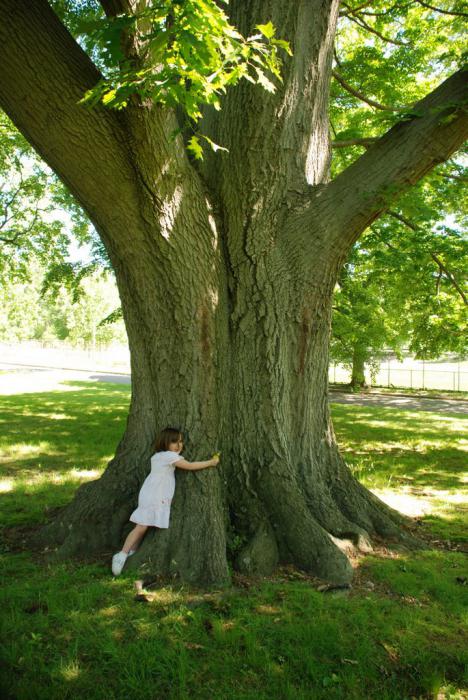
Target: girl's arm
[[193, 466]]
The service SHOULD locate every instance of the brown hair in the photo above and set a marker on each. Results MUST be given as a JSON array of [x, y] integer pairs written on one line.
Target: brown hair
[[165, 438]]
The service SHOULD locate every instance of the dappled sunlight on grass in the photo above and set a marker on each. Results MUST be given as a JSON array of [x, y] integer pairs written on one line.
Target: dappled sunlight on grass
[[406, 447], [278, 637], [405, 503], [52, 442], [40, 480], [414, 462], [6, 485], [57, 423], [22, 450], [75, 631]]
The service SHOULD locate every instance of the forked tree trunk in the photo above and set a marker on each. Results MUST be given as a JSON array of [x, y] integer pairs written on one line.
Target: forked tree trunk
[[225, 275], [239, 360]]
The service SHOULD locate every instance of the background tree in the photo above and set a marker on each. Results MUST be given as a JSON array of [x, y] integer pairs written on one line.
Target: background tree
[[404, 283], [39, 221], [29, 312], [225, 266], [397, 286], [36, 210]]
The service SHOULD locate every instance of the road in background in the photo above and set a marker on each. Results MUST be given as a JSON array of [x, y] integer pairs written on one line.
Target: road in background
[[20, 379]]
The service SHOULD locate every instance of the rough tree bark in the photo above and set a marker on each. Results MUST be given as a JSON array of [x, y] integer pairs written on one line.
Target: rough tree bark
[[226, 274]]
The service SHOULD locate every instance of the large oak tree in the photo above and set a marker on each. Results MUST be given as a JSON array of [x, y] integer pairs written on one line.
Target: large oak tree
[[225, 271]]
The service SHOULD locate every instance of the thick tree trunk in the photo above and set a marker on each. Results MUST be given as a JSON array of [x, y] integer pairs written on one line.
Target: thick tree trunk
[[225, 277], [240, 362]]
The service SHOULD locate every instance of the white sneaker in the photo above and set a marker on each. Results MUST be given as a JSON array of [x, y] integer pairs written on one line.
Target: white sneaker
[[118, 562]]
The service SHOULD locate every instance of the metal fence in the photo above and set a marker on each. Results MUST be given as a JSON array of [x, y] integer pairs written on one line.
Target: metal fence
[[420, 376]]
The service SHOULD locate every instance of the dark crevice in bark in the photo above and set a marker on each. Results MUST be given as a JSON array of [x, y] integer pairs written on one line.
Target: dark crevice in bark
[[260, 556]]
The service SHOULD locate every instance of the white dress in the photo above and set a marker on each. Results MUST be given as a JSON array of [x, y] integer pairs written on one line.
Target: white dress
[[155, 497]]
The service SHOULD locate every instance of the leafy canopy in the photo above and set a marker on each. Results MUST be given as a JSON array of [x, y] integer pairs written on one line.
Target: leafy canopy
[[185, 54], [37, 212], [393, 53], [401, 285]]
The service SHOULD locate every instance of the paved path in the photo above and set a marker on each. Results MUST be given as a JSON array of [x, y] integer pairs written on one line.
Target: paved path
[[16, 379], [19, 379], [408, 403]]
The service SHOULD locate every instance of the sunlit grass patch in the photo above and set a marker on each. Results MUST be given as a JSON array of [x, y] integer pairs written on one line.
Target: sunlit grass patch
[[6, 485]]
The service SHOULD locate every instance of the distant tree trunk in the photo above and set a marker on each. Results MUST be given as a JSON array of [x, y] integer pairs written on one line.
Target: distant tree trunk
[[225, 274], [358, 377]]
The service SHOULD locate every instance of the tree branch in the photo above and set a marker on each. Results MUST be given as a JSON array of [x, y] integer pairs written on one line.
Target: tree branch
[[354, 10], [367, 188], [385, 13], [361, 23], [8, 204], [364, 98], [354, 142], [450, 276], [460, 178], [45, 73], [443, 12]]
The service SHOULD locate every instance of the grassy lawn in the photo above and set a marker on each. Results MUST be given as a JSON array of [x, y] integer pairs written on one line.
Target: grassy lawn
[[407, 391], [72, 631]]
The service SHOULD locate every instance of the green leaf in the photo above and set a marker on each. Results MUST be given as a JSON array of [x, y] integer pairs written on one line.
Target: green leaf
[[194, 147], [282, 45], [109, 97], [268, 30]]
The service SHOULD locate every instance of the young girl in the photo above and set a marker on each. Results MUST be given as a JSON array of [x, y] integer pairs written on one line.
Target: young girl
[[154, 500]]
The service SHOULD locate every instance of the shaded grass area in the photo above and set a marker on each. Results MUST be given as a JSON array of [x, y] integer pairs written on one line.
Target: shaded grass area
[[73, 631]]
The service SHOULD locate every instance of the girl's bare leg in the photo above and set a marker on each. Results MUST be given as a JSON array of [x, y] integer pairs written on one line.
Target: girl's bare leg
[[134, 538]]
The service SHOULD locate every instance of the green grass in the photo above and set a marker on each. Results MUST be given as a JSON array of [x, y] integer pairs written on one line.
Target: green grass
[[51, 442], [407, 391], [72, 631], [419, 456]]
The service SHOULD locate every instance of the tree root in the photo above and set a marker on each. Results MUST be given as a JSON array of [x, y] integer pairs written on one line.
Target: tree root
[[301, 539]]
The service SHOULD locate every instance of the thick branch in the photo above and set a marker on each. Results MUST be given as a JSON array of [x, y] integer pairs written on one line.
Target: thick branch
[[397, 161], [44, 75]]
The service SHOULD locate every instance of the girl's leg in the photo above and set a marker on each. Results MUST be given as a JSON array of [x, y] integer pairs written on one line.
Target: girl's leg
[[134, 538]]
